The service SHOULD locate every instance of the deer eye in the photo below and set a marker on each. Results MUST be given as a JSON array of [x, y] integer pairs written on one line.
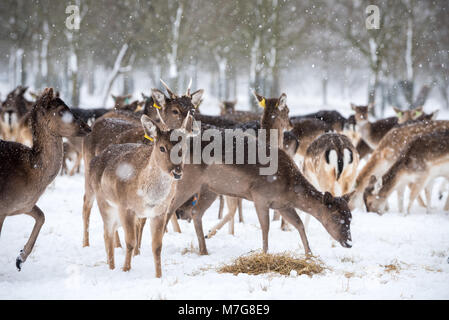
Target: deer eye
[[175, 111], [61, 112], [162, 149]]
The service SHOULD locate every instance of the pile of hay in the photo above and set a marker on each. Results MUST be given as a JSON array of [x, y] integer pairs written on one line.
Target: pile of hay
[[283, 263]]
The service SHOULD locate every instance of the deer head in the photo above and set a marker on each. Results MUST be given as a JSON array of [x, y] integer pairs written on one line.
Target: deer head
[[58, 117], [275, 114], [171, 111], [227, 107], [373, 201], [337, 219], [121, 101], [163, 145], [361, 113]]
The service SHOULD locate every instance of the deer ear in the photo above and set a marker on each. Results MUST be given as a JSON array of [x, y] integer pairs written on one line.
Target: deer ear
[[260, 100], [222, 106], [327, 198], [196, 97], [434, 114], [398, 112], [353, 107], [348, 196], [159, 98], [282, 102], [149, 128], [417, 112], [114, 97]]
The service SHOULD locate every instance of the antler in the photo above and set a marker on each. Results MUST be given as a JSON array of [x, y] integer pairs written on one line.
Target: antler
[[170, 93], [188, 87]]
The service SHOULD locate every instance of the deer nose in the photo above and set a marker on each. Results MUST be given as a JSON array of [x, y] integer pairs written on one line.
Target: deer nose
[[177, 173]]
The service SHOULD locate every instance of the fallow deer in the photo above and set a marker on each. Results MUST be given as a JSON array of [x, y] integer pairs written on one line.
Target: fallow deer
[[14, 108], [132, 181], [331, 163], [26, 172], [424, 159], [285, 190], [275, 116], [388, 151]]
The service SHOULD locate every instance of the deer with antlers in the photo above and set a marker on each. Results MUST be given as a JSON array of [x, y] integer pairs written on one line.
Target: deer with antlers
[[26, 172]]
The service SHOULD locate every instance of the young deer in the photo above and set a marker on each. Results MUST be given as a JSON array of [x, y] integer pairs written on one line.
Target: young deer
[[388, 151], [26, 172], [423, 160], [132, 181], [169, 111]]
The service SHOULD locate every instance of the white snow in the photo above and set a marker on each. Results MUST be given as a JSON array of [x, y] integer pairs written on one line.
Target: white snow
[[60, 268]]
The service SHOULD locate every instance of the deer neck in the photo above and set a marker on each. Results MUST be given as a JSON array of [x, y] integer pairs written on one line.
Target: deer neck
[[365, 130], [267, 123], [154, 183], [47, 150]]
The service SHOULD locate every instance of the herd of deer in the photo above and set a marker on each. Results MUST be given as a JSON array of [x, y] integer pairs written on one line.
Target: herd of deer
[[130, 173]]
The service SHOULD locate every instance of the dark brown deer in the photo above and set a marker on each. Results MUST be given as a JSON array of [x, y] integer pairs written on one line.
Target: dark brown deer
[[26, 172], [14, 108], [285, 190]]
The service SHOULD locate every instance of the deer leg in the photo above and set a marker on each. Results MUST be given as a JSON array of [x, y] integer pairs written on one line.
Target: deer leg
[[157, 233], [232, 204], [87, 207], [400, 194], [2, 219], [207, 198], [428, 192], [219, 225], [175, 224], [38, 215], [293, 218], [241, 211], [263, 214], [220, 209], [276, 215], [414, 192], [140, 225], [76, 166], [128, 221]]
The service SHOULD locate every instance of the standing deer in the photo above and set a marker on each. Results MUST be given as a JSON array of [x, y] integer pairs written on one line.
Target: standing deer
[[26, 172], [132, 181], [423, 160]]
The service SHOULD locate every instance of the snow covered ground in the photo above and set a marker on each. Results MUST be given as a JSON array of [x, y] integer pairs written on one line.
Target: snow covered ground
[[60, 268]]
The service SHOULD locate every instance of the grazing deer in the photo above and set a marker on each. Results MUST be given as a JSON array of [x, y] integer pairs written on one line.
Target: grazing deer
[[275, 116], [388, 151], [26, 172], [424, 159], [121, 101], [285, 190], [132, 181], [227, 107], [169, 112], [330, 163], [228, 112], [331, 117]]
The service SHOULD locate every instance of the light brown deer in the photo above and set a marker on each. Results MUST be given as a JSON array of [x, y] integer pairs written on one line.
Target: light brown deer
[[26, 172], [388, 151], [169, 112], [424, 159], [132, 181]]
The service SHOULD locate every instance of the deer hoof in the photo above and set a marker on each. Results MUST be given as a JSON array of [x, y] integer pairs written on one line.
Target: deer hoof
[[19, 261]]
